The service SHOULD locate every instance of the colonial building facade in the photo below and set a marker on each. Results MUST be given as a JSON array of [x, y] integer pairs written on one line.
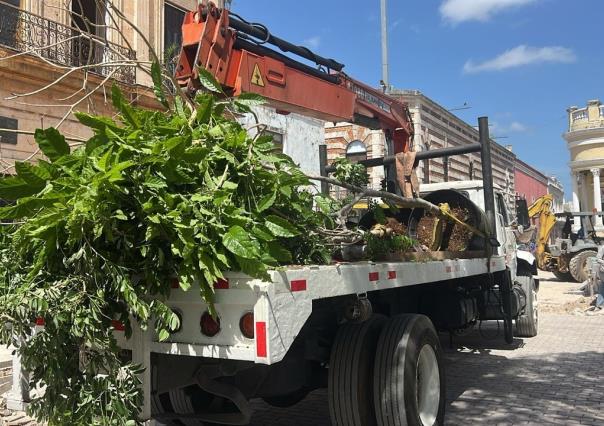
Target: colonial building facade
[[41, 40], [585, 142], [435, 127], [530, 182]]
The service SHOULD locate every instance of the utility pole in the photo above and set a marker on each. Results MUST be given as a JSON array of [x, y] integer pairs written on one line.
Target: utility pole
[[385, 77]]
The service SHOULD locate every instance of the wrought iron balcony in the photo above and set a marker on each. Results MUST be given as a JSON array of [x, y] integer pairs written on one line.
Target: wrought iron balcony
[[61, 44]]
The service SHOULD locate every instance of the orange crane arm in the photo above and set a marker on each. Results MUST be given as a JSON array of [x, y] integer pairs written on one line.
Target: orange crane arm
[[236, 53]]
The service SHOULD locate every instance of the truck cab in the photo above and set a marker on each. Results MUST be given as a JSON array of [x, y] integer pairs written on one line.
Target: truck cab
[[520, 262]]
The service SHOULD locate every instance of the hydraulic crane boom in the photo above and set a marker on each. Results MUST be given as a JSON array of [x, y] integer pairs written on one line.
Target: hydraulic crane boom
[[542, 208], [236, 53]]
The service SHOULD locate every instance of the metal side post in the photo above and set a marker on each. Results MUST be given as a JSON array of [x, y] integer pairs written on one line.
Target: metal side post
[[19, 395], [505, 284], [141, 355]]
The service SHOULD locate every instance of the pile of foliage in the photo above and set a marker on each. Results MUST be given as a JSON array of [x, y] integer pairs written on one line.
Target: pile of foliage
[[387, 237], [98, 233]]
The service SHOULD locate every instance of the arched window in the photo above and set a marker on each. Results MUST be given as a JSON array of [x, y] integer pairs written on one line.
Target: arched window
[[356, 151]]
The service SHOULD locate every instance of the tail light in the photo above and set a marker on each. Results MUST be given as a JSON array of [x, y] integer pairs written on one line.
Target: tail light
[[209, 326], [246, 325]]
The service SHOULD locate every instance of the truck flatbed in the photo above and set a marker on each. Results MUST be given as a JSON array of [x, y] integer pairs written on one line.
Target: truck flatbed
[[282, 306]]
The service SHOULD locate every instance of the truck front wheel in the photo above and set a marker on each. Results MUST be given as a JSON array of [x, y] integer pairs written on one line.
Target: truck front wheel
[[527, 324], [351, 373], [409, 380]]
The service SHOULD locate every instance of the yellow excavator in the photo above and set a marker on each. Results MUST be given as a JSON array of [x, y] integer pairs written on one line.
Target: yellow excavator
[[567, 257]]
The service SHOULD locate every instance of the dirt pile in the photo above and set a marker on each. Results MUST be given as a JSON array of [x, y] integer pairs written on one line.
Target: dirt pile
[[458, 236]]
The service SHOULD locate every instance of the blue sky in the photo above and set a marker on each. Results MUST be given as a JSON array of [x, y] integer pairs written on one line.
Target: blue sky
[[520, 62]]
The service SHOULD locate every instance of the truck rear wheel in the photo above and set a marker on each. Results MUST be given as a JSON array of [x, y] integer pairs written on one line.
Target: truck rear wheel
[[578, 265], [527, 324], [351, 373], [409, 381]]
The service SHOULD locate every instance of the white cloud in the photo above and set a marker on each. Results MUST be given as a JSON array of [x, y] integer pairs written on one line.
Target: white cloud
[[500, 129], [518, 127], [395, 24], [456, 11], [520, 56], [313, 42]]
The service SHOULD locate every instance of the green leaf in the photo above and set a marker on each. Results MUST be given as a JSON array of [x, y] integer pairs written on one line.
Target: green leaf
[[13, 188], [51, 143], [180, 108], [238, 241], [115, 173], [263, 233], [267, 202], [33, 175], [120, 103], [278, 252], [163, 335], [205, 106], [208, 81], [253, 268], [158, 83], [251, 99], [174, 143], [96, 122], [280, 227], [26, 206]]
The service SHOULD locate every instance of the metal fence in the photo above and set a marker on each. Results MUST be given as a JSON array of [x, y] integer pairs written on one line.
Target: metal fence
[[61, 44]]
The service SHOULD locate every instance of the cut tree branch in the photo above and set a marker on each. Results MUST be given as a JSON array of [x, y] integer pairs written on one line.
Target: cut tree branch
[[408, 202]]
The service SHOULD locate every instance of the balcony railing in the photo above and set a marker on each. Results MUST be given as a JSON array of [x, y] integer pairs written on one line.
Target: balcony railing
[[580, 114], [61, 44]]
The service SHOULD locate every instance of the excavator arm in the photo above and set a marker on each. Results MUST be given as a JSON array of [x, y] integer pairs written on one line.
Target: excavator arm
[[542, 210], [236, 53]]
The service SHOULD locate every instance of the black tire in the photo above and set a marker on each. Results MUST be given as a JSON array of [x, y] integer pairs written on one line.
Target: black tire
[[403, 383], [351, 373], [563, 276], [578, 265], [285, 401], [527, 324]]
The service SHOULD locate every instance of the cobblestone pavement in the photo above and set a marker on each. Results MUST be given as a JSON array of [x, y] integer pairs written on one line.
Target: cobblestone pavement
[[554, 378]]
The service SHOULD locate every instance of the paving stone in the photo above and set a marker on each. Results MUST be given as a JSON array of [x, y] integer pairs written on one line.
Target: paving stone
[[554, 378]]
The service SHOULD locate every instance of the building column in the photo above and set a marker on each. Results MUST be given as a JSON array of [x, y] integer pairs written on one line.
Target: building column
[[597, 197], [576, 200], [584, 202]]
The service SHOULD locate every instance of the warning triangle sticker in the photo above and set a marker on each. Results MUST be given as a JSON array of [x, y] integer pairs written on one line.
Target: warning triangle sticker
[[257, 76]]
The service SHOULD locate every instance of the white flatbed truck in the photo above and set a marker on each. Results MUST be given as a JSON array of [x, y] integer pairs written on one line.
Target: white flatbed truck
[[365, 330]]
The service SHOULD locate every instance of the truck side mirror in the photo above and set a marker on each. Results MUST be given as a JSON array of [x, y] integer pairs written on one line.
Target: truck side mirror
[[522, 216]]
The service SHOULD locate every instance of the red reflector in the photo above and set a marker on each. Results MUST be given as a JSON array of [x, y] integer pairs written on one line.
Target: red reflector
[[298, 285], [246, 325], [221, 284], [391, 275], [118, 325], [174, 283], [40, 321], [261, 339], [374, 276], [209, 326]]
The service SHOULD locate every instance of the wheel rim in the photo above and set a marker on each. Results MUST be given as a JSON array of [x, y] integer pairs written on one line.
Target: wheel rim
[[428, 385], [586, 270]]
